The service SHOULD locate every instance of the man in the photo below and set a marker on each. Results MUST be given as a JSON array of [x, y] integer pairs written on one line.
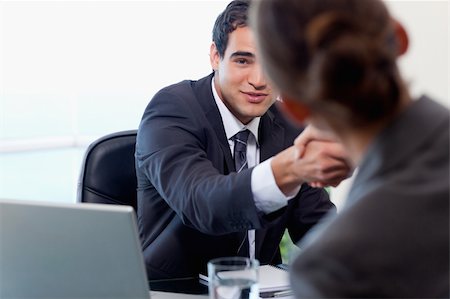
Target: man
[[196, 199]]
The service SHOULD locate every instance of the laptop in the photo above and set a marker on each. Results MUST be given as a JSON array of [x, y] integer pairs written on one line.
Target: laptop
[[82, 250]]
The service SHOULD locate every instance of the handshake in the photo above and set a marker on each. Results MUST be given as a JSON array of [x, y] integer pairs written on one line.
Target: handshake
[[316, 158]]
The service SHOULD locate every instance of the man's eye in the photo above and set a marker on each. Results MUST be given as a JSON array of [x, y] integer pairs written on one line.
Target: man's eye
[[241, 61]]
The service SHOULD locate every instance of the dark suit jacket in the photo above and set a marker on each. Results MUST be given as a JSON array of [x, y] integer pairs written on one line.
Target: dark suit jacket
[[192, 205], [391, 240]]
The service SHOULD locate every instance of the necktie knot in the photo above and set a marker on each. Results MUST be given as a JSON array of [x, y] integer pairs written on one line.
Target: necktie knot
[[240, 150]]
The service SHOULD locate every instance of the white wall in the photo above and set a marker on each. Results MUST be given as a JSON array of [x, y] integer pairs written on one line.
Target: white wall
[[95, 64], [426, 64], [76, 69], [71, 71]]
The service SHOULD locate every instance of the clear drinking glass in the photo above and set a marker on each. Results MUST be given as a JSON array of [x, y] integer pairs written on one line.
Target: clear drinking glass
[[233, 278]]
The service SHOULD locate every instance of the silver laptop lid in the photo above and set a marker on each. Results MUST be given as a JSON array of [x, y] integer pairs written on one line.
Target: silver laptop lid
[[50, 250]]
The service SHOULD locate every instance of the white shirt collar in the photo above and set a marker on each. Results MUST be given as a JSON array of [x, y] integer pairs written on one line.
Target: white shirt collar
[[231, 124]]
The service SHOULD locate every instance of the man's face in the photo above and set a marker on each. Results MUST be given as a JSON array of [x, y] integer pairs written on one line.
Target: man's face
[[239, 79]]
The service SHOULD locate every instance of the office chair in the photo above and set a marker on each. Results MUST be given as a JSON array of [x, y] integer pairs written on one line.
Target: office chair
[[108, 171]]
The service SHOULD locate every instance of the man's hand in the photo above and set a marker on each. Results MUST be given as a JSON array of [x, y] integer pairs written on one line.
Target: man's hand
[[316, 158], [324, 163], [310, 133]]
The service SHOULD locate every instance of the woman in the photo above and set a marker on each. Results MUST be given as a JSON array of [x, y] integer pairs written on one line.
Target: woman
[[335, 64]]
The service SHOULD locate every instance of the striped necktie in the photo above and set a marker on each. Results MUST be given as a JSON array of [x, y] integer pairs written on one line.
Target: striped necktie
[[240, 163]]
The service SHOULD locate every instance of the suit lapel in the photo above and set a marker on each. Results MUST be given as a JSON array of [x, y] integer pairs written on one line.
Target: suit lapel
[[204, 95], [271, 136]]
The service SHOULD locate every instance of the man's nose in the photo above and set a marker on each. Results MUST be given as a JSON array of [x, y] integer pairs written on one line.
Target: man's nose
[[257, 78]]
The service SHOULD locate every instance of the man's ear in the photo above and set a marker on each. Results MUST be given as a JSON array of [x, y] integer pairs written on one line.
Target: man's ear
[[214, 57], [297, 111], [401, 37]]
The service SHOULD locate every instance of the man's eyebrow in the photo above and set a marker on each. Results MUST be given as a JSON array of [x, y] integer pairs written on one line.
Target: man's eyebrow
[[242, 53]]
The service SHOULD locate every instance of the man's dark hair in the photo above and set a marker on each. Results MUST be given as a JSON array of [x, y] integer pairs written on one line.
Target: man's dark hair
[[234, 16]]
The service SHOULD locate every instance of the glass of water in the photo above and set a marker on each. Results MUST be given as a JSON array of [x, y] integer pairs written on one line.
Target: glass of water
[[233, 278]]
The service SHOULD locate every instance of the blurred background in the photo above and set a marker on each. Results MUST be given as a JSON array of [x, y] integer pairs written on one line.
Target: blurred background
[[72, 71]]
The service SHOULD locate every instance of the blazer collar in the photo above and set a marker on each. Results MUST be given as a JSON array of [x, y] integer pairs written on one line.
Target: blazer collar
[[398, 142], [204, 95], [271, 135]]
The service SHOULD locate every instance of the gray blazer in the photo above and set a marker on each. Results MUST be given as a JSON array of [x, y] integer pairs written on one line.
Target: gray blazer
[[392, 238]]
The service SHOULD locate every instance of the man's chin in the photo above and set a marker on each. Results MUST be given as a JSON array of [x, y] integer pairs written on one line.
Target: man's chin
[[259, 112]]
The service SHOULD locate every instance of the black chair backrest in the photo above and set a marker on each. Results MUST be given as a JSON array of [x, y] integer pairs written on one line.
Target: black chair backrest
[[108, 171]]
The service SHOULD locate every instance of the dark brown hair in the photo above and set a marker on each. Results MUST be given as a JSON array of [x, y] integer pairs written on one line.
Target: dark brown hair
[[331, 53], [234, 16]]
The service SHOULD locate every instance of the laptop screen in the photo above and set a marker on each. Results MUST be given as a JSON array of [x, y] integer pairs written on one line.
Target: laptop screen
[[50, 250]]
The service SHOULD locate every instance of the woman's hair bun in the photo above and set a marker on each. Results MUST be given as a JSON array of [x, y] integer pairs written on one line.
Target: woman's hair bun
[[350, 66]]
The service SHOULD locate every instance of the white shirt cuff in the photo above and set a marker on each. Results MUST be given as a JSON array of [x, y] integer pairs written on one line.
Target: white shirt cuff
[[266, 194]]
